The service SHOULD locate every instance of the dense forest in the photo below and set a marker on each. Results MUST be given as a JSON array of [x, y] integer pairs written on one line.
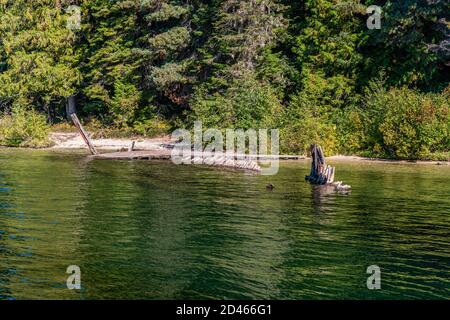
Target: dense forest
[[312, 68]]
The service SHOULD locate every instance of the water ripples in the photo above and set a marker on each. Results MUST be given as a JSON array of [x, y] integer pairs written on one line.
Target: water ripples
[[152, 230]]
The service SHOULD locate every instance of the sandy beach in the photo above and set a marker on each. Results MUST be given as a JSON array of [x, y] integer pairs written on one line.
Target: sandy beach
[[362, 159], [74, 141]]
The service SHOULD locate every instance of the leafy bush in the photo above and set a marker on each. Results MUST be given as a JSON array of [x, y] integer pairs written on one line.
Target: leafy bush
[[297, 137], [309, 117], [245, 104], [148, 127], [349, 129], [151, 127], [24, 127], [402, 123], [66, 127]]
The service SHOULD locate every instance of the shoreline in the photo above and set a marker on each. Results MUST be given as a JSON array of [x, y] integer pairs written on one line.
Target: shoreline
[[72, 141], [382, 160]]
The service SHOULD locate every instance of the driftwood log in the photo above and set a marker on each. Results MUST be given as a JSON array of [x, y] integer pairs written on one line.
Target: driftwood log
[[84, 134], [321, 173]]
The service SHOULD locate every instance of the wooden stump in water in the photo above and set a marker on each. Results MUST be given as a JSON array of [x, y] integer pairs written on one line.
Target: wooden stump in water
[[320, 173]]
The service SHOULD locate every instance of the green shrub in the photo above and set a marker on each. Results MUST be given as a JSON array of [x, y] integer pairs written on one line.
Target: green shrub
[[349, 129], [309, 116], [24, 127], [124, 103], [151, 127], [246, 104], [297, 137], [402, 123]]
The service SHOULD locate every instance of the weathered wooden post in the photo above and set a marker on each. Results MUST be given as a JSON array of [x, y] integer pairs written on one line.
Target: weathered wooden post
[[320, 172], [132, 146], [84, 134]]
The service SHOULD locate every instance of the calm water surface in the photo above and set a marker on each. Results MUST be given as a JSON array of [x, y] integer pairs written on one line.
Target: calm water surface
[[153, 230]]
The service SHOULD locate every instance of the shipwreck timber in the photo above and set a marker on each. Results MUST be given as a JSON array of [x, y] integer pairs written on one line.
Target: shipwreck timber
[[164, 152]]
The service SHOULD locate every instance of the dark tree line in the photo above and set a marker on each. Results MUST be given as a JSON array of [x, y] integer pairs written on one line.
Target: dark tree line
[[309, 67]]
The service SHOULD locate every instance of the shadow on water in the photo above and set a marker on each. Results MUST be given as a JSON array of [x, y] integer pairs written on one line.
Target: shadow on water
[[152, 230]]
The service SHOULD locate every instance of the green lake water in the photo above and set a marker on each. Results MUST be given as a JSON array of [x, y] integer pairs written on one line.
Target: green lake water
[[153, 230]]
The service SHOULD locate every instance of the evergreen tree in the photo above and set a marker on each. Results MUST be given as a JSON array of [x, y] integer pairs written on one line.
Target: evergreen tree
[[243, 34], [413, 43], [38, 60], [327, 48], [111, 80], [242, 30], [166, 48], [291, 64]]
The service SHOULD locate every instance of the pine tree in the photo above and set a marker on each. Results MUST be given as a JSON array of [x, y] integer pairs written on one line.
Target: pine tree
[[166, 48], [242, 30], [330, 35], [232, 94], [413, 45], [111, 80], [38, 60]]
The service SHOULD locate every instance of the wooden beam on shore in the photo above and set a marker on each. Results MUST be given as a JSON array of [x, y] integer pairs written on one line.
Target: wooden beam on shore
[[84, 134]]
